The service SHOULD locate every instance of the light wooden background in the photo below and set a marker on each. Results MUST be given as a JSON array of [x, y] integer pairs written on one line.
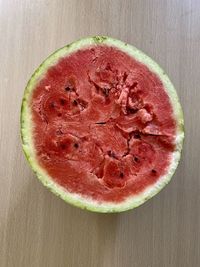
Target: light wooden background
[[39, 230]]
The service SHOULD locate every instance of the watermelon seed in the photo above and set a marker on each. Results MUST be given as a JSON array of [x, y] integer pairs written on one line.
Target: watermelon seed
[[136, 159], [131, 110], [101, 123], [111, 154], [121, 175], [59, 114], [153, 171], [94, 59], [68, 89], [76, 145], [137, 135], [75, 103]]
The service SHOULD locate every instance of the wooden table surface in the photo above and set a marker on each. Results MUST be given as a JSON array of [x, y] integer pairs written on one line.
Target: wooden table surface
[[37, 228]]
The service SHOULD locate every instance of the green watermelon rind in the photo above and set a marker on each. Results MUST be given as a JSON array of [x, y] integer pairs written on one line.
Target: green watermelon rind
[[26, 129]]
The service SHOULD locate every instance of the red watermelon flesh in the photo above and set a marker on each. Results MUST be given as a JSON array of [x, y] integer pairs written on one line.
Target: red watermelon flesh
[[103, 124]]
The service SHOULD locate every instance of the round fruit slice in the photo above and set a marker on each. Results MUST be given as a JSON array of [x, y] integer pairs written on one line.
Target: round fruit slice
[[101, 125]]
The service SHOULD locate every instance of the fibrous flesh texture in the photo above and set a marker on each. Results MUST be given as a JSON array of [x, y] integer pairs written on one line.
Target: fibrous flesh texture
[[103, 124]]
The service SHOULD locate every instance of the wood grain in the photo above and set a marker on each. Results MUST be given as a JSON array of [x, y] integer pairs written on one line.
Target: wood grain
[[37, 228]]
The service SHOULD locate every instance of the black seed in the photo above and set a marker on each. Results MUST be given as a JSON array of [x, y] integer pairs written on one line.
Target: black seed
[[101, 123], [121, 175], [62, 102], [67, 89], [111, 154], [131, 111], [76, 145], [75, 103], [153, 171], [136, 135], [136, 159]]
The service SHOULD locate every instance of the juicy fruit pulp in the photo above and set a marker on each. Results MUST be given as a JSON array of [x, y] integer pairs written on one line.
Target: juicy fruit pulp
[[103, 124]]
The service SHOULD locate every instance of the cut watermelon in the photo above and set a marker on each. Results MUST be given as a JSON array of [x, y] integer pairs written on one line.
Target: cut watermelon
[[101, 125]]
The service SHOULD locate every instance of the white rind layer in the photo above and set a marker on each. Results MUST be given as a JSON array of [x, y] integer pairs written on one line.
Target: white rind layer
[[26, 128]]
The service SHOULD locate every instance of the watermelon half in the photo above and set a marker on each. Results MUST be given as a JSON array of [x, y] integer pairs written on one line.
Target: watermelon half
[[101, 125]]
